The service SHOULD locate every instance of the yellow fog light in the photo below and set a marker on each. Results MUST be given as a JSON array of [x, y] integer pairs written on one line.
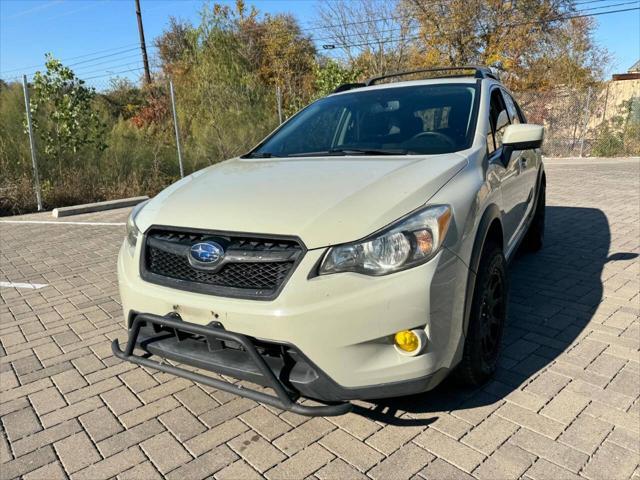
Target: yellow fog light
[[407, 341], [410, 342]]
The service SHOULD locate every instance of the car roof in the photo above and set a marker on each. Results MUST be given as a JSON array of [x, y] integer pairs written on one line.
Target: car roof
[[460, 80]]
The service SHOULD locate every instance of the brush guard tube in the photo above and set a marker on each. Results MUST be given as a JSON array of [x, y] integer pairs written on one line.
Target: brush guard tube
[[282, 399]]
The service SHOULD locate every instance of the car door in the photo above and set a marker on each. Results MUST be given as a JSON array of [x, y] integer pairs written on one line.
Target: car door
[[528, 159], [514, 196]]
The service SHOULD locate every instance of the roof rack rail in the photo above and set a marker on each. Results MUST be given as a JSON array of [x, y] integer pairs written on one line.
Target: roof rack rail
[[478, 72], [348, 86]]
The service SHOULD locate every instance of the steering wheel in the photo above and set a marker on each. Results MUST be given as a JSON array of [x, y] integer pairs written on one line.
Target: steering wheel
[[437, 136]]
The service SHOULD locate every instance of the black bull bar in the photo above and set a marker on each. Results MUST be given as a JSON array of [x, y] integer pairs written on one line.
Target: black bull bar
[[284, 398]]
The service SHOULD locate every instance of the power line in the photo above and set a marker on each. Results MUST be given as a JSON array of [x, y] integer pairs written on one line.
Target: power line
[[109, 69], [397, 30], [122, 50], [90, 63], [608, 6], [40, 65], [108, 62], [302, 30], [409, 17], [536, 22], [114, 73]]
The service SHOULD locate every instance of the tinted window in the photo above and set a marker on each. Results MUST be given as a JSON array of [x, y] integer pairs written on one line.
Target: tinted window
[[426, 119]]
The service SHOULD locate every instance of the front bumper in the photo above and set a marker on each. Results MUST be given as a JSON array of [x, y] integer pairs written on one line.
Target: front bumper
[[171, 338], [343, 324]]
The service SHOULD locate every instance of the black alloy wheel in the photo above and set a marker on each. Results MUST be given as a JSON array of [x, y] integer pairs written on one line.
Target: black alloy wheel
[[487, 318]]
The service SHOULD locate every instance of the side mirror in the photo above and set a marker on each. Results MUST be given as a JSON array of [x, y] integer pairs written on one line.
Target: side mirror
[[524, 136]]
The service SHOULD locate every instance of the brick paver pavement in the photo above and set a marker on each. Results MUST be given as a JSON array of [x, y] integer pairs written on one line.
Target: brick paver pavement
[[564, 404]]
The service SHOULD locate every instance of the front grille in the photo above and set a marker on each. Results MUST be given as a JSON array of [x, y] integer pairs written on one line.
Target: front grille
[[166, 261]]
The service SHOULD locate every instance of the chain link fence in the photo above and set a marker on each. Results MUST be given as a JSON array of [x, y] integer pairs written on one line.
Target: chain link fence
[[151, 141], [596, 122]]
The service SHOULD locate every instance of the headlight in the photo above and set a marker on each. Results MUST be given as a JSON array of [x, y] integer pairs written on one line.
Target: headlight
[[132, 228], [409, 242]]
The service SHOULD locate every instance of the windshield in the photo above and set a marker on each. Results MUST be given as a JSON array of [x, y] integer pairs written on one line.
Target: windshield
[[427, 119]]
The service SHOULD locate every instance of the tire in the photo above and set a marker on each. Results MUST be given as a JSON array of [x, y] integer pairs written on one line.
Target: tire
[[486, 320], [534, 238]]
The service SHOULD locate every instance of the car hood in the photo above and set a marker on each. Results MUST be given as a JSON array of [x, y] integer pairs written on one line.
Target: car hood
[[323, 201]]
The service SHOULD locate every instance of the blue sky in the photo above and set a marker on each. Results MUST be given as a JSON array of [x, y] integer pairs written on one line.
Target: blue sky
[[73, 28]]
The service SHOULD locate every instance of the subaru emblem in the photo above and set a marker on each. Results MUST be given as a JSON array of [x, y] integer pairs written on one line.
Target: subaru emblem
[[205, 254]]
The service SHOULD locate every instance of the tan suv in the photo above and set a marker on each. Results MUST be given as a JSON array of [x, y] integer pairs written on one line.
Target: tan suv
[[358, 252]]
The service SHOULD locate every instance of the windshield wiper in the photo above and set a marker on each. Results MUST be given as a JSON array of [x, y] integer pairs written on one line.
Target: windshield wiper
[[352, 151], [258, 155], [370, 151]]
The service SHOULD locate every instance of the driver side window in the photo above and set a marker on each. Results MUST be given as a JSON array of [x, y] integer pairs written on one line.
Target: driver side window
[[498, 121]]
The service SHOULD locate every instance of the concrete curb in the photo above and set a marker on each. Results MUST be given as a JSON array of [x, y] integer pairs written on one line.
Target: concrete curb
[[97, 207]]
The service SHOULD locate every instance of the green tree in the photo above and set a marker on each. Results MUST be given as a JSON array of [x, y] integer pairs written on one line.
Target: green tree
[[329, 74], [64, 118]]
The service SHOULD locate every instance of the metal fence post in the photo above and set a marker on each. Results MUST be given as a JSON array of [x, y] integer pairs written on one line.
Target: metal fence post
[[586, 122], [279, 101], [32, 143], [175, 124]]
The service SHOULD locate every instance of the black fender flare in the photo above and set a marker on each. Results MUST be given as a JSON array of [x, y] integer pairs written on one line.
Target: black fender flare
[[491, 213]]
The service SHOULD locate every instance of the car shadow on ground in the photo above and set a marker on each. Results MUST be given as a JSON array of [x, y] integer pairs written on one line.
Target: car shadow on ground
[[554, 294]]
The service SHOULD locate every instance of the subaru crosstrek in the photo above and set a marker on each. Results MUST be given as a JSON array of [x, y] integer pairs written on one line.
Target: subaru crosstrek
[[358, 252]]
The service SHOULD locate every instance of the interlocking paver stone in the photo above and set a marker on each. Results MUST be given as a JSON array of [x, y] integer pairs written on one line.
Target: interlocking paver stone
[[128, 438], [265, 423], [531, 420], [338, 469], [544, 470], [441, 470], [403, 464], [196, 400], [121, 400], [144, 470], [303, 435], [507, 462], [21, 423], [490, 434], [52, 471], [460, 455], [182, 424], [238, 469], [76, 452], [47, 400], [259, 453], [205, 465], [100, 424], [165, 452], [544, 447], [111, 466], [28, 463], [611, 461], [215, 436], [302, 464], [392, 437], [586, 433], [564, 403]]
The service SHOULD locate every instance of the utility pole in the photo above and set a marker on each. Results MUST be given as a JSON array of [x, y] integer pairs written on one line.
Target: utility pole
[[143, 45]]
